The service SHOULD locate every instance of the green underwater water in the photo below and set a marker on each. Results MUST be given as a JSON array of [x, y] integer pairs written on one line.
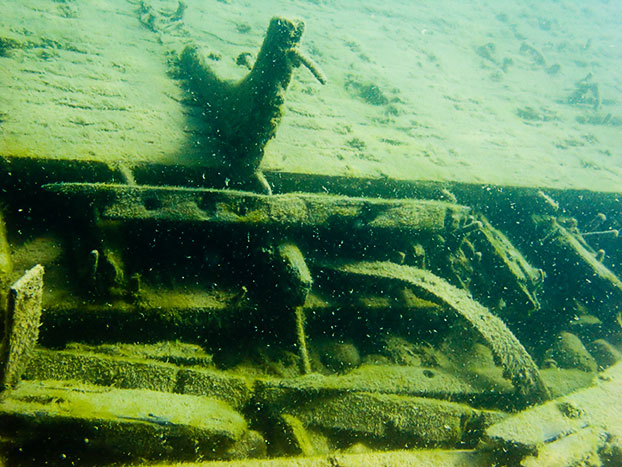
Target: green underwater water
[[332, 233]]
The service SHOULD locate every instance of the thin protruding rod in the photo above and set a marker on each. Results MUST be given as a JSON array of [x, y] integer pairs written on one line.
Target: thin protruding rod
[[603, 233]]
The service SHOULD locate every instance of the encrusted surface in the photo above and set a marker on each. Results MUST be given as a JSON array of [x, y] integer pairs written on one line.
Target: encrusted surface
[[121, 423], [301, 210]]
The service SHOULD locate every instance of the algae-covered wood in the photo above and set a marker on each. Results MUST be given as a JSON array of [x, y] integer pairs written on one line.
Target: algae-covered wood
[[517, 363], [243, 209], [511, 94], [119, 423]]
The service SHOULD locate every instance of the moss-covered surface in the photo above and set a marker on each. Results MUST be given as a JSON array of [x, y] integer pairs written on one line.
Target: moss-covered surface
[[365, 406], [573, 262], [176, 204], [295, 277], [234, 389], [516, 281], [580, 447], [569, 352], [362, 409], [101, 370], [6, 265], [175, 352], [402, 358], [244, 116], [563, 382], [223, 293], [21, 326], [517, 363], [135, 371], [415, 381], [391, 420]]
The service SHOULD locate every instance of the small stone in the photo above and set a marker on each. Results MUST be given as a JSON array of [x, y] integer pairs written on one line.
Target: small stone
[[339, 356], [604, 353], [588, 327], [569, 352]]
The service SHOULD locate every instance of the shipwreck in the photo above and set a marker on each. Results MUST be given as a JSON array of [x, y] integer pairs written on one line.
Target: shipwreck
[[201, 308]]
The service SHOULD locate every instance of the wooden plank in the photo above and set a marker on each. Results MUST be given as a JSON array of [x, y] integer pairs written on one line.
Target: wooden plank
[[21, 326], [230, 207], [85, 421], [535, 431]]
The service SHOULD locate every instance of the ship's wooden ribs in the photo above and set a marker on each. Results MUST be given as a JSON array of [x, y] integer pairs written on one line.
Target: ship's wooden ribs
[[508, 351]]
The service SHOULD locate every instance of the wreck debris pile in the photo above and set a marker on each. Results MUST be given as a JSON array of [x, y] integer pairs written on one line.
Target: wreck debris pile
[[192, 315]]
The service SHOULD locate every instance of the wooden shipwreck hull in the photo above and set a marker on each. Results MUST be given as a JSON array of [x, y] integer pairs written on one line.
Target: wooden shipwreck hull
[[248, 325]]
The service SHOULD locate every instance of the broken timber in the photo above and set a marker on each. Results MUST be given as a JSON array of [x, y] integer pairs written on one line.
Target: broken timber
[[434, 383], [517, 279], [244, 116], [508, 351], [92, 365], [571, 263], [394, 418], [21, 326]]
